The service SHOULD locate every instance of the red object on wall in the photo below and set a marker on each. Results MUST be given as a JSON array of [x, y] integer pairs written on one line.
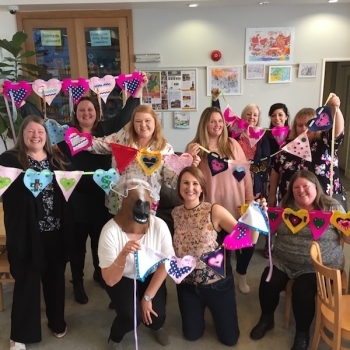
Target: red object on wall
[[216, 55]]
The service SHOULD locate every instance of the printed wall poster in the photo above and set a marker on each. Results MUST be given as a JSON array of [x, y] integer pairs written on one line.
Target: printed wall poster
[[228, 79], [181, 120]]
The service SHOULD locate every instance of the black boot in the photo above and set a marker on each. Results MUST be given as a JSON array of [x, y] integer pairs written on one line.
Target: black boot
[[301, 340], [79, 293], [266, 323]]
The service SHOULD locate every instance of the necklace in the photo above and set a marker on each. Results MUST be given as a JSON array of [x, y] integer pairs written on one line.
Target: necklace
[[213, 149]]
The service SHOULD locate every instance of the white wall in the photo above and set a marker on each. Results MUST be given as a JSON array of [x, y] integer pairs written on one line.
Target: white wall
[[186, 37]]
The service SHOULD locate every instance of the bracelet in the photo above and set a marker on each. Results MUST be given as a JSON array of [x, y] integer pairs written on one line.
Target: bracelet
[[119, 267]]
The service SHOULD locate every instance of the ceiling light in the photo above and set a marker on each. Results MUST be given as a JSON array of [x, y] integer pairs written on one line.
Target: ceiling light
[[264, 3], [330, 1], [192, 5]]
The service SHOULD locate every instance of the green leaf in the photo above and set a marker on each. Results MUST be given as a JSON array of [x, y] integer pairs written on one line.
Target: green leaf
[[3, 126], [27, 54], [5, 44], [10, 59], [19, 38], [5, 65], [29, 66]]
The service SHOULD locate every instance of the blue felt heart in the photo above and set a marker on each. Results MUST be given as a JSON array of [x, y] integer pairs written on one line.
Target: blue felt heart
[[104, 178], [56, 132], [322, 121], [216, 163], [239, 173], [36, 182], [216, 260]]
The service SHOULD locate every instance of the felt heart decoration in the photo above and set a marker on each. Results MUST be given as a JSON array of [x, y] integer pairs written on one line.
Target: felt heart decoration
[[67, 180], [341, 221], [318, 222], [255, 218], [216, 260], [102, 86], [178, 268], [237, 127], [20, 91], [49, 89], [77, 88], [244, 208], [177, 163], [229, 115], [295, 220], [77, 141], [149, 161], [275, 217], [299, 147], [216, 163], [123, 155], [255, 134], [104, 178], [238, 239], [36, 182], [280, 134], [56, 131], [322, 121], [239, 173], [147, 261], [130, 82], [7, 176]]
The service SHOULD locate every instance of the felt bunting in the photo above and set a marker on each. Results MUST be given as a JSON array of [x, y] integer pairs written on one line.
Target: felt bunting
[[238, 172], [255, 134], [123, 155], [47, 90], [318, 222], [275, 217], [102, 86], [149, 161], [299, 147], [237, 127], [36, 182], [295, 220], [77, 141], [229, 115], [216, 163], [216, 260], [341, 221], [177, 163], [280, 134], [19, 91], [179, 268], [7, 176], [322, 121], [105, 178], [255, 218], [67, 180], [130, 82], [56, 131], [239, 238], [76, 89]]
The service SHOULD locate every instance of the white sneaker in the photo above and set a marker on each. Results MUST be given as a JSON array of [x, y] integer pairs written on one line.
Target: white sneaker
[[17, 346]]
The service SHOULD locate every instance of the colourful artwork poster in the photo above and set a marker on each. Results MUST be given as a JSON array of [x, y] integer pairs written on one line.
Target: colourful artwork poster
[[152, 90], [269, 45], [280, 74], [228, 79]]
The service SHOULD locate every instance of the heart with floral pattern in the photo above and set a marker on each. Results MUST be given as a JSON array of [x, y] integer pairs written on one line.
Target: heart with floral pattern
[[19, 91], [341, 221], [130, 82]]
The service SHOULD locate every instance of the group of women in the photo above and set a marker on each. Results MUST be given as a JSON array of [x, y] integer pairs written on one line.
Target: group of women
[[39, 245]]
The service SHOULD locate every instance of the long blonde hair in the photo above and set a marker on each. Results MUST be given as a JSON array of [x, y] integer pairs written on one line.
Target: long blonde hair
[[202, 136], [158, 142], [309, 113]]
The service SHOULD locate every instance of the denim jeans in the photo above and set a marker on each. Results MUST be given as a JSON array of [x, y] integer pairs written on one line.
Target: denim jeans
[[220, 298]]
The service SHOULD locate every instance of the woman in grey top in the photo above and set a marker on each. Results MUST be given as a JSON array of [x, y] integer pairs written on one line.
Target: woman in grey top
[[291, 259]]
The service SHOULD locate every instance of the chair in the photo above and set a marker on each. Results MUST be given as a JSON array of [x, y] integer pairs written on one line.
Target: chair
[[333, 308], [288, 296]]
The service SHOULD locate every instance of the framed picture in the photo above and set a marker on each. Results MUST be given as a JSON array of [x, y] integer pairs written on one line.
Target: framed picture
[[228, 79], [307, 70], [160, 117], [255, 71], [181, 120], [269, 45], [280, 74]]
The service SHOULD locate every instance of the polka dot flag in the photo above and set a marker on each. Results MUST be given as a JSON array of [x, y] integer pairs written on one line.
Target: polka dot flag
[[19, 91], [130, 82], [131, 86], [77, 89]]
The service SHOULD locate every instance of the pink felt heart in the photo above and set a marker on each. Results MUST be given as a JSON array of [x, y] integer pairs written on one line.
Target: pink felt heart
[[103, 86], [20, 91], [130, 82], [77, 141], [77, 88], [216, 260], [280, 134], [255, 134], [177, 163], [178, 268], [237, 127], [49, 89], [239, 238]]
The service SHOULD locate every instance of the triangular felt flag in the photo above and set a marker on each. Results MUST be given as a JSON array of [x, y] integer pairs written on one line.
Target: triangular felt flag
[[147, 261], [322, 121], [216, 163], [299, 147], [255, 218], [275, 217], [179, 268], [341, 221], [123, 155], [7, 176], [237, 127], [216, 260], [319, 221], [239, 238], [295, 220], [280, 134], [67, 180], [229, 115], [255, 134]]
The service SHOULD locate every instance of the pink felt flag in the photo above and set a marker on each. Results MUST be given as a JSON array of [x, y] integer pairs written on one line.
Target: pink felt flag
[[239, 238], [7, 176], [275, 217], [280, 134], [67, 180], [299, 147], [255, 134], [319, 221]]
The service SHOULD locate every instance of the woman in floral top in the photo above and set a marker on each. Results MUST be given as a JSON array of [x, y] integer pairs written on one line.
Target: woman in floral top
[[287, 164], [199, 228], [143, 132]]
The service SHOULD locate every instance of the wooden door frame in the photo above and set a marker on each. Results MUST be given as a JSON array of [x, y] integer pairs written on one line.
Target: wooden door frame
[[127, 14]]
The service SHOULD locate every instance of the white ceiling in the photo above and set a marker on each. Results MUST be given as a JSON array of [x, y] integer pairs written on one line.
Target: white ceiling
[[53, 5]]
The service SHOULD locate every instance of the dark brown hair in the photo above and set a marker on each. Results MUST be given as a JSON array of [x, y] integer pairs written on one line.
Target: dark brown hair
[[75, 119]]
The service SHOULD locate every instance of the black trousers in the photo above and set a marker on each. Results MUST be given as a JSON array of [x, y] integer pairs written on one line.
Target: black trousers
[[303, 296], [122, 296], [77, 258], [243, 257], [26, 311]]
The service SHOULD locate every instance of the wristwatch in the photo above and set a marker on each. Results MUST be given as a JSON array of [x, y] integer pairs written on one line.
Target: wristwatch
[[147, 297]]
